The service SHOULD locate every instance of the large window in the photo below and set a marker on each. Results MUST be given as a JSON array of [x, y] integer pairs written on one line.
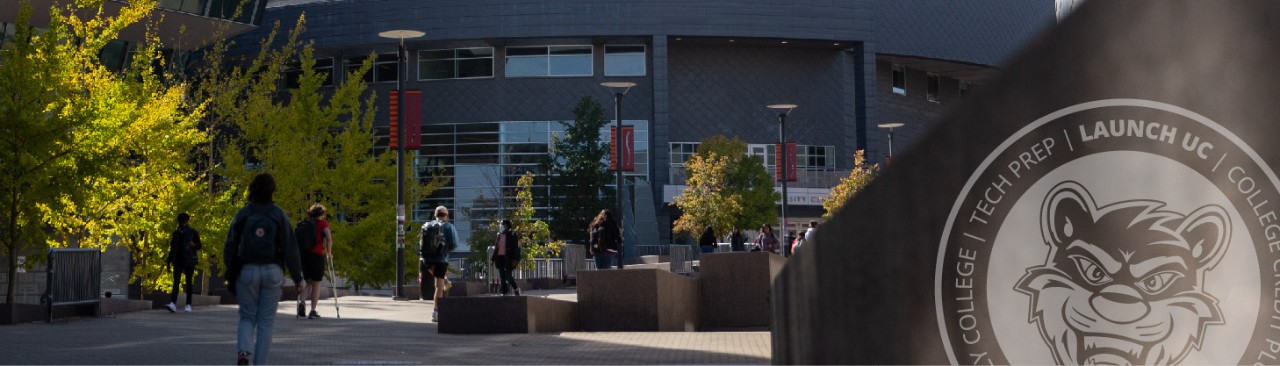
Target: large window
[[624, 61], [323, 66], [815, 157], [458, 63], [899, 80], [189, 6], [549, 61], [385, 67]]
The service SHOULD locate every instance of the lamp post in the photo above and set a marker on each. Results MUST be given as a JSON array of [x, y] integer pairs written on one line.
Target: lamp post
[[401, 57], [890, 126], [782, 110], [619, 88]]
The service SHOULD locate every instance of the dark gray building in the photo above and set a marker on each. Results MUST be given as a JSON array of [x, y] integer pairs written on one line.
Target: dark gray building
[[496, 78]]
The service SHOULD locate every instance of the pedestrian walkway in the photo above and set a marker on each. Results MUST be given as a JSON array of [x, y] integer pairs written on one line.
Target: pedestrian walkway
[[372, 331]]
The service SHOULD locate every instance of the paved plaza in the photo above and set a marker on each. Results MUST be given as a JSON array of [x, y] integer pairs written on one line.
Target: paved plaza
[[372, 331]]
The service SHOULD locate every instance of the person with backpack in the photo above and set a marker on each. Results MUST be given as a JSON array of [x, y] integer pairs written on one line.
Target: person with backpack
[[184, 254], [259, 246], [605, 235], [506, 255], [437, 240], [314, 245]]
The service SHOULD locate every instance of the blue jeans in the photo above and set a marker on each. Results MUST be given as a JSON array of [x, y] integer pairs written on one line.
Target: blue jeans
[[604, 261], [258, 292]]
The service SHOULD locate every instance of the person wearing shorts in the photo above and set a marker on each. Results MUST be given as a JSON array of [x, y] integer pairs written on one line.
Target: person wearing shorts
[[314, 260], [438, 265]]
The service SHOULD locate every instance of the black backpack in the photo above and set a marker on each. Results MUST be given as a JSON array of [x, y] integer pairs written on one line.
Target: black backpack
[[431, 242], [190, 254], [258, 237], [306, 234]]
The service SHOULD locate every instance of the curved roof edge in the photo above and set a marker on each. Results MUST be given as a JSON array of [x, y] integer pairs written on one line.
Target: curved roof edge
[[984, 32]]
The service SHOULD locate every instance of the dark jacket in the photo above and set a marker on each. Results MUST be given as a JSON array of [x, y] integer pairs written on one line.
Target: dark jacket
[[286, 244], [450, 243], [604, 237], [178, 247], [708, 238], [513, 247], [737, 241]]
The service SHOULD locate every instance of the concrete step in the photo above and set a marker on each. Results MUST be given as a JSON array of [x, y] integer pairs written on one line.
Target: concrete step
[[506, 314]]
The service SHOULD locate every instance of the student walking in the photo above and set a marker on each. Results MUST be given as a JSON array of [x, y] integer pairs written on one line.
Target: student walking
[[315, 243], [604, 237], [438, 239], [737, 241], [259, 246], [506, 255], [184, 254], [766, 241], [708, 240]]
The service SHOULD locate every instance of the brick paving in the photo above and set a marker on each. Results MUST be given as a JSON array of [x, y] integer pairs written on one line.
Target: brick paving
[[372, 331]]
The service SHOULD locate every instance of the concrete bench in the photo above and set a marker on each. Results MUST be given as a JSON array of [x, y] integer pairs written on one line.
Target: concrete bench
[[506, 314], [644, 300], [735, 288]]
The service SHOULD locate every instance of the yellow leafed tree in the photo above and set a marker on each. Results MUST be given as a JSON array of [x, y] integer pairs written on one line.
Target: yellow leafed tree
[[862, 175]]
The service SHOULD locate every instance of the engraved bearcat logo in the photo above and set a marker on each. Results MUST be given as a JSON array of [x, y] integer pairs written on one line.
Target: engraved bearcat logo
[[1123, 284]]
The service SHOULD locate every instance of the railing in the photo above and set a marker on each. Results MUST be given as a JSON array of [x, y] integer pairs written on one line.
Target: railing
[[682, 259], [75, 277], [575, 259], [804, 178], [653, 250]]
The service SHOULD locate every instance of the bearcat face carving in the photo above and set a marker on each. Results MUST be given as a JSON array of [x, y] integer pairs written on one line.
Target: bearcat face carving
[[1123, 283]]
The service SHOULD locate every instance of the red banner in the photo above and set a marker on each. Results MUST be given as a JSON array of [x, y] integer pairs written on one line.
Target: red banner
[[628, 148], [413, 123], [791, 162], [394, 108]]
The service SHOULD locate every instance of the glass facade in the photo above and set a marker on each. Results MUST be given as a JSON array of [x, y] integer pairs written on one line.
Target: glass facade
[[815, 164], [484, 160], [458, 63], [385, 67], [549, 61], [250, 12], [323, 66], [624, 61]]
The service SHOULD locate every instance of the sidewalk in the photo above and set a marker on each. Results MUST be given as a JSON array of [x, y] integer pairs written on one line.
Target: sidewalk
[[372, 331]]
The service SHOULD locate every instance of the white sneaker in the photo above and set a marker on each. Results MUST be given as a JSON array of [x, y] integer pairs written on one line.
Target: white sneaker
[[434, 316], [187, 309], [173, 308]]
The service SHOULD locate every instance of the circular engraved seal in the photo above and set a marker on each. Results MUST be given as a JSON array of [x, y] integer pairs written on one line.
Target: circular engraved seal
[[1117, 231]]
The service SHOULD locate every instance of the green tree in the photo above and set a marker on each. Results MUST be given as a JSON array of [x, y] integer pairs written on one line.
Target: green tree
[[580, 173], [87, 156], [706, 200], [320, 148], [535, 235], [746, 177], [861, 175]]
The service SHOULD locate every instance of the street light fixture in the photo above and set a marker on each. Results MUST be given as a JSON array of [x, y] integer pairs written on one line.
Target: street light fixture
[[619, 88], [891, 126], [401, 57], [783, 110]]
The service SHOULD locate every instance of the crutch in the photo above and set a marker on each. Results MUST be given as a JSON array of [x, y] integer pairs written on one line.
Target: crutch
[[333, 284]]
